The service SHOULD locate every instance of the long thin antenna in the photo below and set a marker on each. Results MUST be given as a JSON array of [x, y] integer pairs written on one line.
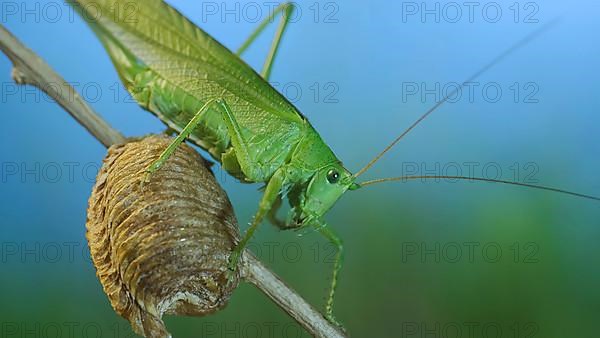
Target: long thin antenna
[[467, 178], [495, 61]]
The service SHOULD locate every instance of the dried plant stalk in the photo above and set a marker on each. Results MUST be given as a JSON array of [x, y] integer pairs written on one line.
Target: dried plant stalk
[[161, 247]]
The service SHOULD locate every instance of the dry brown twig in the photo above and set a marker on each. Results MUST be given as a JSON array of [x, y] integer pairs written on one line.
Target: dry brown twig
[[31, 69]]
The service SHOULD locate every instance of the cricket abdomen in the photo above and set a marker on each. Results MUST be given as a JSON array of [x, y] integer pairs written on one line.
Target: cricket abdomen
[[176, 108]]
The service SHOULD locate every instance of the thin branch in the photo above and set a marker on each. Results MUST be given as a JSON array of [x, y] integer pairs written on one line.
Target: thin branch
[[31, 69], [312, 320]]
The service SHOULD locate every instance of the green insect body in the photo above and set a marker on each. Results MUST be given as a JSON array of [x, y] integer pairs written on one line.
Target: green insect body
[[208, 94]]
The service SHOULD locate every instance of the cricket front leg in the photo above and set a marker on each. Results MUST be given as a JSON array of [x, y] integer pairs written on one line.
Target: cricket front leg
[[337, 266], [272, 215], [282, 223]]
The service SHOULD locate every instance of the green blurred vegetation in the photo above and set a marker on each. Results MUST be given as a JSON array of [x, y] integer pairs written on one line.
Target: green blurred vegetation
[[408, 271]]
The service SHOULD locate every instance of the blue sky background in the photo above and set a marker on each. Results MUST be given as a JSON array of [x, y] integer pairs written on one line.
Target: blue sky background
[[364, 55]]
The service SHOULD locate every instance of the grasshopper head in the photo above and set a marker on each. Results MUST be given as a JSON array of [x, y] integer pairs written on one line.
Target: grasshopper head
[[326, 186]]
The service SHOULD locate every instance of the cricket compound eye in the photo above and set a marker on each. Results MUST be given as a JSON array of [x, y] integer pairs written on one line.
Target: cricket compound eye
[[333, 176]]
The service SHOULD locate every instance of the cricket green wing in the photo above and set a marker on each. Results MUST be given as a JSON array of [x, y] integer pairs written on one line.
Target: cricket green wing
[[171, 67]]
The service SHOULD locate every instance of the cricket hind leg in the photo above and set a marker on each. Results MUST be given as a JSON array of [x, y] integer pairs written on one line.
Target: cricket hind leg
[[253, 172], [266, 204], [286, 9], [251, 169], [183, 135]]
